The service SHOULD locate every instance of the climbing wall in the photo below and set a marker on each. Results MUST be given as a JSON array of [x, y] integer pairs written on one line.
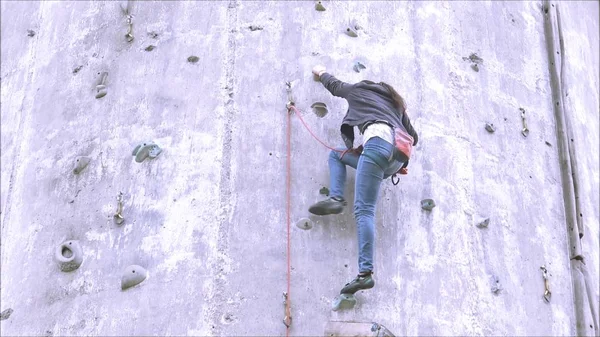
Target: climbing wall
[[144, 168]]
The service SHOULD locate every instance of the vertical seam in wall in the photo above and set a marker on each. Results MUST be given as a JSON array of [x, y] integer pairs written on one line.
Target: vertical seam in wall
[[225, 179], [578, 273]]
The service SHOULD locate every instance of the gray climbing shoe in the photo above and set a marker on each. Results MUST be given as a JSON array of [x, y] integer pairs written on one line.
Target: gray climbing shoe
[[359, 283], [328, 206]]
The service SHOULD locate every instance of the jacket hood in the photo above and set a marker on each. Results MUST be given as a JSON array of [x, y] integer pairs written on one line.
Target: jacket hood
[[376, 87]]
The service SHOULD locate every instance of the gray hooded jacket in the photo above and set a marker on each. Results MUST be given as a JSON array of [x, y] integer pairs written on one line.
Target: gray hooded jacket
[[366, 103]]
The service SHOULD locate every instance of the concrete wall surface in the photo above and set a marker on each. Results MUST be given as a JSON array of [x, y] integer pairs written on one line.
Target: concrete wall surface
[[207, 217]]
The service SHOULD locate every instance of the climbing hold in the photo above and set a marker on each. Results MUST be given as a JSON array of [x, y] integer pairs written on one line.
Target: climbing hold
[[150, 48], [343, 302], [304, 223], [324, 190], [319, 108], [474, 59], [254, 28], [81, 163], [358, 67], [193, 59], [548, 143], [475, 67], [427, 204], [153, 35], [319, 6], [490, 127], [351, 31], [69, 255], [5, 314], [381, 331], [101, 87], [30, 33], [76, 70], [132, 276], [483, 223], [496, 287], [145, 150]]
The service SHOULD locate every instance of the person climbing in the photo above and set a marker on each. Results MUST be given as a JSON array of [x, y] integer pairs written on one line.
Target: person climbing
[[376, 109]]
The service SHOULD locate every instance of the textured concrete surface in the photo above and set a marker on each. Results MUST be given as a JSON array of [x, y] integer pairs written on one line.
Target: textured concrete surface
[[207, 218]]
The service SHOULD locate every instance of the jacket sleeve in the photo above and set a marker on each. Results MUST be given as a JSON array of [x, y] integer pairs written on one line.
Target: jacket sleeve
[[335, 86], [409, 128]]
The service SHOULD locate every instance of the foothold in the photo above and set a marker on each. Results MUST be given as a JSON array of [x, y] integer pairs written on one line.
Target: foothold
[[474, 58], [193, 59], [475, 67], [132, 276], [324, 190], [30, 33], [81, 163], [304, 223], [548, 143], [496, 287], [319, 6], [6, 314], [358, 67], [343, 302], [427, 204], [150, 48], [255, 28], [490, 127], [320, 109], [351, 31], [483, 223], [69, 255], [76, 70], [153, 35], [145, 150]]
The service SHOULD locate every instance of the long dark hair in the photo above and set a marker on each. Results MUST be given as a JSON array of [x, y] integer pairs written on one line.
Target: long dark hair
[[398, 100]]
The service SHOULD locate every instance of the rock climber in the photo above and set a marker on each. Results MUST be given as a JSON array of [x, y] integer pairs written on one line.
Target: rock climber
[[374, 108]]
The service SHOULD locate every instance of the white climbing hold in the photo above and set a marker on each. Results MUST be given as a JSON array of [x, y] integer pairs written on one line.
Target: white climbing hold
[[304, 223], [132, 276], [69, 255], [81, 163]]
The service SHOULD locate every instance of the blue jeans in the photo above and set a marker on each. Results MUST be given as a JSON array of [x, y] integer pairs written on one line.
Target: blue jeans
[[375, 164]]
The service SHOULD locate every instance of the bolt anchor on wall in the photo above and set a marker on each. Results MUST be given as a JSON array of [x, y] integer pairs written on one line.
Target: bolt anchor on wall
[[287, 320], [118, 217], [547, 293], [525, 131]]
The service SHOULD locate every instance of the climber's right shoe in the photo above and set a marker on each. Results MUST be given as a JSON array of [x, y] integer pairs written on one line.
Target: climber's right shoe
[[361, 282], [332, 205]]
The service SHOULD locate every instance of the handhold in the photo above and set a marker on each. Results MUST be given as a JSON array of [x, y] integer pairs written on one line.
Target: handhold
[[153, 35], [145, 150], [304, 223], [69, 255], [490, 127], [320, 109], [475, 67], [496, 287], [343, 302], [427, 204], [6, 314], [132, 276], [76, 70], [101, 87], [483, 223], [193, 59], [149, 48], [319, 6], [358, 67], [324, 190], [548, 143], [474, 58], [254, 28], [351, 31], [30, 33], [81, 163]]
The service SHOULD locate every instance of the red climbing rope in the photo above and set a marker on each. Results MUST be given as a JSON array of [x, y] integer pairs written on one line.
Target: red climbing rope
[[315, 137], [288, 316]]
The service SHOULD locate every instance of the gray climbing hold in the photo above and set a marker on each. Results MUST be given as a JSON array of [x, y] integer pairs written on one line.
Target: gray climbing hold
[[381, 331], [496, 287], [132, 276], [76, 70], [490, 127], [150, 48], [255, 28], [30, 33], [343, 302], [146, 150], [324, 191], [320, 109], [475, 67], [193, 59], [69, 255], [483, 223], [81, 163], [6, 314], [319, 6], [358, 67], [427, 204], [304, 223], [351, 31], [101, 87]]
